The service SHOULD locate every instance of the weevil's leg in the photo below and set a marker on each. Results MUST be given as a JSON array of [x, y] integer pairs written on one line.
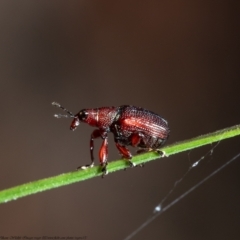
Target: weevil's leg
[[158, 151], [125, 153], [143, 150], [136, 138], [103, 156], [95, 134]]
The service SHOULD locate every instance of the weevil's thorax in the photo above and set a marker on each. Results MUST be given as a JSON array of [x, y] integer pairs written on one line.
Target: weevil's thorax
[[98, 117]]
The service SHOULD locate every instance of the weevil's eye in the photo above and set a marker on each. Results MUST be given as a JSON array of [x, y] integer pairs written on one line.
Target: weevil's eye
[[83, 114]]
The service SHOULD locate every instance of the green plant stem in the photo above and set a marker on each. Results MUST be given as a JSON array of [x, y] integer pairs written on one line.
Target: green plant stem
[[77, 176]]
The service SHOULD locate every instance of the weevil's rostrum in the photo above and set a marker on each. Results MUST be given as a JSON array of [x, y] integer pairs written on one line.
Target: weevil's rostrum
[[130, 125]]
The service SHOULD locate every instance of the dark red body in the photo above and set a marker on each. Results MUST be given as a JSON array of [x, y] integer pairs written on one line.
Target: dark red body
[[131, 126]]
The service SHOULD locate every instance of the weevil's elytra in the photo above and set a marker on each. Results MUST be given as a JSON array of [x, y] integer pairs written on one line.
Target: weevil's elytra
[[130, 125]]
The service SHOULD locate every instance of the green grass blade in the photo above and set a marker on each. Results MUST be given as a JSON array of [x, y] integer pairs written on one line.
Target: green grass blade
[[77, 176]]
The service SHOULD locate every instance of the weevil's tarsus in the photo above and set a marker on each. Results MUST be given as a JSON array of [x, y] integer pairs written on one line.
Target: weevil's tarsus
[[86, 166], [104, 169]]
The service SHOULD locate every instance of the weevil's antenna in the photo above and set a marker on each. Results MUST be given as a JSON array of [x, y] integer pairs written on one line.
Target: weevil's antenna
[[71, 115]]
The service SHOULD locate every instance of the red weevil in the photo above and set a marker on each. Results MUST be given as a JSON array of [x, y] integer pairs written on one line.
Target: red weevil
[[131, 126]]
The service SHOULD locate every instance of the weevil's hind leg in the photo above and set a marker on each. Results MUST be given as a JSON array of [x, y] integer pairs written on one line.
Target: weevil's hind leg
[[158, 151], [157, 145], [143, 150], [125, 153], [149, 143], [136, 139], [95, 134]]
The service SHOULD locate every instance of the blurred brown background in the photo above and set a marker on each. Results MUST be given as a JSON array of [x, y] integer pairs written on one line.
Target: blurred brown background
[[177, 58]]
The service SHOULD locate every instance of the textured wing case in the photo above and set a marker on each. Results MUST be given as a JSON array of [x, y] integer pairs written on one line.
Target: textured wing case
[[139, 119]]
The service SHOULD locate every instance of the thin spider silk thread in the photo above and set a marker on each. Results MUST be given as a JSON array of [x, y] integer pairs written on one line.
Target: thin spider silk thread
[[158, 213], [193, 165]]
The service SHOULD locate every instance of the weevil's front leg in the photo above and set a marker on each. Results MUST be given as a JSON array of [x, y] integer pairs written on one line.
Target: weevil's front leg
[[103, 156], [125, 153], [95, 134]]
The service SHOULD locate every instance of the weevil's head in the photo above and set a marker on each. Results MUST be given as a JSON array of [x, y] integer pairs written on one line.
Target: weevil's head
[[85, 115], [79, 117]]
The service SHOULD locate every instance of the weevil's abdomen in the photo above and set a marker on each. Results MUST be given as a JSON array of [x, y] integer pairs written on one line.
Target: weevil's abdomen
[[139, 120]]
